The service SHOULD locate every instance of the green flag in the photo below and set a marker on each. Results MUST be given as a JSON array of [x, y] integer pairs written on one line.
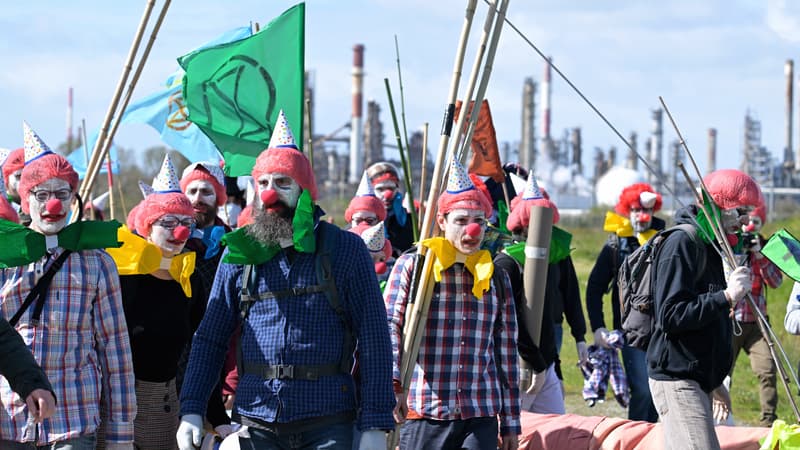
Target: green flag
[[784, 251], [234, 91]]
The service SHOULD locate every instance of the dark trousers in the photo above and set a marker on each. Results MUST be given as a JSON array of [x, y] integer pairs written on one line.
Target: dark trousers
[[479, 433], [641, 404]]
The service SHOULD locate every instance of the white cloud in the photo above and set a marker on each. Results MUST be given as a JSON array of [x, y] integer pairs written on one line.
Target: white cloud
[[783, 17]]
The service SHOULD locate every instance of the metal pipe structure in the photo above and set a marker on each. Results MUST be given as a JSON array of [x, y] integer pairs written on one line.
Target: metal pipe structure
[[69, 121], [547, 91], [356, 155], [577, 150], [527, 145], [631, 162], [788, 70], [712, 150], [656, 146]]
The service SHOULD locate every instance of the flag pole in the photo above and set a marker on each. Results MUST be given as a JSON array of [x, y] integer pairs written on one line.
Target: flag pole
[[108, 139], [402, 97], [404, 162], [424, 288], [110, 188], [310, 141], [424, 162]]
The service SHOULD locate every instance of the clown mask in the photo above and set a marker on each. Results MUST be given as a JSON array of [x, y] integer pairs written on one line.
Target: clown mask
[[204, 201], [49, 203], [754, 226], [170, 233], [733, 219], [641, 219], [278, 193], [385, 191], [464, 228]]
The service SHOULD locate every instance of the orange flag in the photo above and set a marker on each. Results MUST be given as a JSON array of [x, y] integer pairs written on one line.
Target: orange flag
[[485, 154]]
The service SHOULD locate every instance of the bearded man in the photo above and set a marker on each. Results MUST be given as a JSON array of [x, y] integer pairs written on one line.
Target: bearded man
[[305, 295]]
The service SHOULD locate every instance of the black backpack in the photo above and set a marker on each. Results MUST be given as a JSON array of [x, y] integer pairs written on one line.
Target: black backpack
[[635, 282]]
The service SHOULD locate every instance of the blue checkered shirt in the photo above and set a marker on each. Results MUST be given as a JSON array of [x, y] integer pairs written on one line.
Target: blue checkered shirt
[[298, 330]]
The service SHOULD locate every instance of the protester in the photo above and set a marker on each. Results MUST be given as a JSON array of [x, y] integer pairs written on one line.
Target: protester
[[12, 170], [792, 320], [309, 299], [76, 330], [631, 227], [690, 351], [380, 249], [466, 374], [385, 179], [7, 211], [364, 207], [545, 393], [765, 274], [234, 204]]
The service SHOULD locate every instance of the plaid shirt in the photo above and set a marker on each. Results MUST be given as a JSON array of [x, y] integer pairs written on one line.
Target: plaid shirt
[[297, 330], [603, 368], [82, 336], [764, 273], [456, 375]]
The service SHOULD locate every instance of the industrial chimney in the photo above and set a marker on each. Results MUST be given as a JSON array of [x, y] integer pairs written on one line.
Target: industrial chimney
[[632, 162], [712, 150], [356, 155], [656, 145], [788, 152], [527, 146], [546, 93]]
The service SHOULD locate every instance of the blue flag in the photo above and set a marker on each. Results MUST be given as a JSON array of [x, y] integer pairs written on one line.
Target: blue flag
[[166, 112], [78, 157]]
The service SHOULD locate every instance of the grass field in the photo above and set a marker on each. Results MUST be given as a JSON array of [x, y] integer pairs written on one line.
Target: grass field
[[587, 241]]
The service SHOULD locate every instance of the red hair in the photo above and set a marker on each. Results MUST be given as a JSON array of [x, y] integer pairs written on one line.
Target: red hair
[[629, 197]]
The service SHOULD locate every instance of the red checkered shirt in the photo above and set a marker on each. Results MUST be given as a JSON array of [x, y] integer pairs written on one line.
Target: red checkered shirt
[[764, 273], [456, 375]]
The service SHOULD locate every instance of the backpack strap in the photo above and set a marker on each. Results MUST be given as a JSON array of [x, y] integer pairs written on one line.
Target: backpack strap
[[327, 241], [38, 293]]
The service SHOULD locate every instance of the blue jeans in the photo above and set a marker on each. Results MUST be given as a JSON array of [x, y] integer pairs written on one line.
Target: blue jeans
[[558, 333], [330, 437], [478, 433], [686, 415], [641, 404], [86, 442]]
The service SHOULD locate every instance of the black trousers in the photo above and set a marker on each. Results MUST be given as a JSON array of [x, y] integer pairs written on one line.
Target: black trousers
[[479, 433]]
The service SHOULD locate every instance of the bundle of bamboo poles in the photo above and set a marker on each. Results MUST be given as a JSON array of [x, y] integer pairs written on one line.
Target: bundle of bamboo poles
[[423, 284], [115, 111]]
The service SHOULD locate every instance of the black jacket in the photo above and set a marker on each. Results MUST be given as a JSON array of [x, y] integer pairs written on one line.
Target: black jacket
[[692, 335], [401, 237], [604, 273], [568, 299], [17, 364]]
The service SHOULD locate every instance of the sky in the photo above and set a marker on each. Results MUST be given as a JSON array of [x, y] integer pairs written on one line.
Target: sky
[[711, 61]]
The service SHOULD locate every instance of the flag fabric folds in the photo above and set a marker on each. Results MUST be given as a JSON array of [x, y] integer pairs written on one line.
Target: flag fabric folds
[[78, 157], [783, 250], [485, 159], [234, 91]]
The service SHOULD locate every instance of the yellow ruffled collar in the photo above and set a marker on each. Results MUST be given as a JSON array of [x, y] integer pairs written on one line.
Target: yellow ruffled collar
[[620, 225], [479, 264]]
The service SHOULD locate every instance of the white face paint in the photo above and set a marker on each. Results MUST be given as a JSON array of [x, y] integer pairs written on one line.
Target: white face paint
[[733, 219], [385, 191], [287, 189], [13, 183], [455, 229], [43, 221], [368, 217], [163, 236], [755, 225], [641, 219], [204, 201]]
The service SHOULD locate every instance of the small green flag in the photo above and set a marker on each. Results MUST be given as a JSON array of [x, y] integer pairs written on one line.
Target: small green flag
[[783, 250], [234, 91]]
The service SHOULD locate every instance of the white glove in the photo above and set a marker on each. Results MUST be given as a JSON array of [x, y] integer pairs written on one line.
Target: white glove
[[537, 382], [740, 282], [600, 336], [223, 430], [119, 445], [583, 352], [372, 440], [721, 404], [190, 432]]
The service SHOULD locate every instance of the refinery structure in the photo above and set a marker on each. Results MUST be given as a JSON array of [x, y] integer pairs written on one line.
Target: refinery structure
[[341, 155]]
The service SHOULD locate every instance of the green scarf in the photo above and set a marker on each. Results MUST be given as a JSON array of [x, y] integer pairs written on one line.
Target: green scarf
[[560, 241]]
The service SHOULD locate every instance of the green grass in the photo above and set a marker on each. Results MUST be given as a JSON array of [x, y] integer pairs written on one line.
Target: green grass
[[587, 242]]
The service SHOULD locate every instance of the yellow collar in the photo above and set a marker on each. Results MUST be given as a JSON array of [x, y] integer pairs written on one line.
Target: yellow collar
[[137, 256], [622, 227], [479, 263]]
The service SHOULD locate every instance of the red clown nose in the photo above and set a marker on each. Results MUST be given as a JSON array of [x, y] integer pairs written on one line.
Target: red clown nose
[[387, 195], [181, 233], [473, 230], [269, 197], [380, 268], [53, 206], [750, 227], [644, 217]]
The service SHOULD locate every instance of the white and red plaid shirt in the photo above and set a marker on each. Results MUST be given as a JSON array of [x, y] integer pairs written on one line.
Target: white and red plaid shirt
[[764, 273], [81, 343], [456, 375]]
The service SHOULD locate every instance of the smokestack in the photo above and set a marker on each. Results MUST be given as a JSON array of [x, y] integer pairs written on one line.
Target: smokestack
[[69, 120], [788, 70], [527, 146], [632, 162], [546, 93], [712, 150], [655, 149], [356, 155], [577, 150], [612, 157]]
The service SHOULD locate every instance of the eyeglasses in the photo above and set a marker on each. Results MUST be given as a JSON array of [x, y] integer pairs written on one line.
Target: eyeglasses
[[367, 220], [42, 195], [170, 223]]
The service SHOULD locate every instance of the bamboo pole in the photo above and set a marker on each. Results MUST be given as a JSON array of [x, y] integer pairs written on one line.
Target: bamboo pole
[[86, 158], [402, 97], [424, 162], [728, 254], [107, 141], [92, 164], [404, 162], [110, 176]]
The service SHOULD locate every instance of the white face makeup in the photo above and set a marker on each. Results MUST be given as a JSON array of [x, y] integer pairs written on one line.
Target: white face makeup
[[455, 229], [733, 219], [42, 220], [756, 224], [368, 217], [204, 201], [641, 219], [287, 189], [13, 183], [162, 233], [385, 191]]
